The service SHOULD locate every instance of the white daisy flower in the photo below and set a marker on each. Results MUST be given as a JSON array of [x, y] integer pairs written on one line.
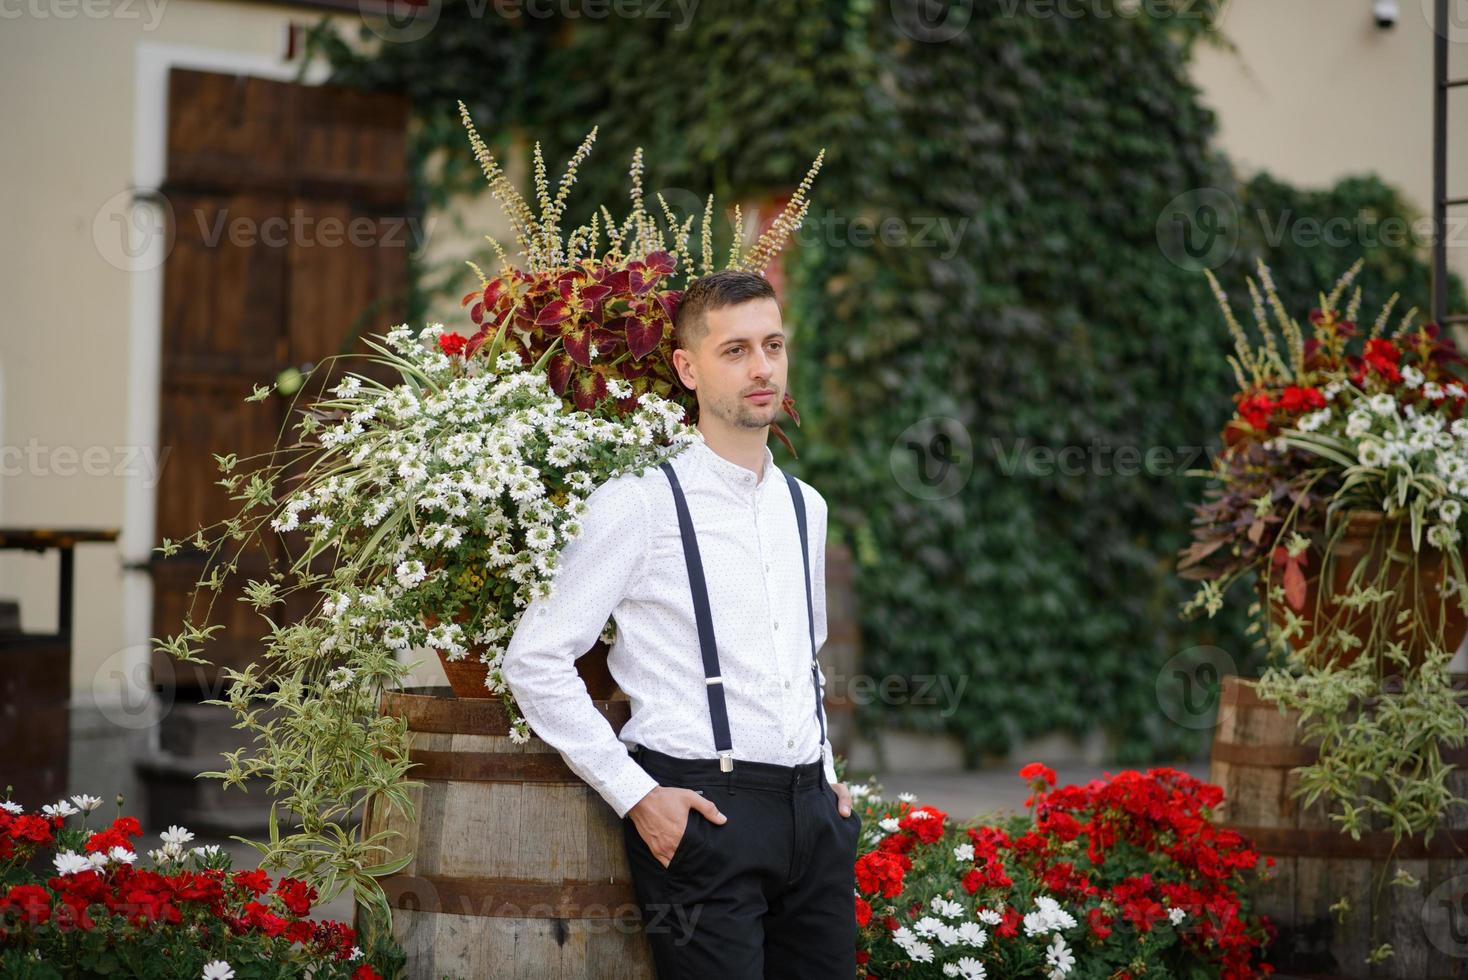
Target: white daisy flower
[[176, 835], [86, 803], [946, 908], [1059, 958], [218, 970], [70, 863], [972, 934]]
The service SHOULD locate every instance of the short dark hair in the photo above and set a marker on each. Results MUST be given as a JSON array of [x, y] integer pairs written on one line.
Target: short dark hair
[[727, 287]]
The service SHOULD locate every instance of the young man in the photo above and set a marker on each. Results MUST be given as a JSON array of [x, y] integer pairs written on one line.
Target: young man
[[741, 842]]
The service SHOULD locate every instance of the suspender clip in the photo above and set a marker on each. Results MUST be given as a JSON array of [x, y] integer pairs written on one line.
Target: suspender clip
[[726, 760]]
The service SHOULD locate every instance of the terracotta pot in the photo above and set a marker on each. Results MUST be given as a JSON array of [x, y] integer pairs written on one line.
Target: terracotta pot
[[467, 675], [1364, 541]]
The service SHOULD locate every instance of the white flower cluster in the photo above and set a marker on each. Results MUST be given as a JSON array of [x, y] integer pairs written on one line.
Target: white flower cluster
[[1407, 446], [449, 480], [948, 929]]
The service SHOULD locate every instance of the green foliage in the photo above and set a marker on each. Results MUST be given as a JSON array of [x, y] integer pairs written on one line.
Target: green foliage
[[1053, 320]]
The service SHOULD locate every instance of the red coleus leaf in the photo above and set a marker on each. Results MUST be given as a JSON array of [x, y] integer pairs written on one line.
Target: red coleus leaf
[[556, 311], [493, 292], [619, 282], [660, 262], [588, 388], [577, 342], [670, 300], [641, 278], [1294, 575], [558, 372], [644, 334], [1294, 586], [595, 294]]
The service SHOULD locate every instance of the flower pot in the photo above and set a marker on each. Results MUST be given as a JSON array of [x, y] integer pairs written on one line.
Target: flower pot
[[1366, 539], [468, 674]]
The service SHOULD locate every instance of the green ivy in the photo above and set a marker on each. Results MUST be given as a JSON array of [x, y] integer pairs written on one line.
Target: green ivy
[[1056, 320]]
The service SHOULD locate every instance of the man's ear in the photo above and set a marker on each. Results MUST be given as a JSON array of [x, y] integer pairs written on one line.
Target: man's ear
[[683, 364]]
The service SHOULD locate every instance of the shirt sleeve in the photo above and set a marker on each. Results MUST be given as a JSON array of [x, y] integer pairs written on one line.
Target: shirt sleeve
[[596, 569]]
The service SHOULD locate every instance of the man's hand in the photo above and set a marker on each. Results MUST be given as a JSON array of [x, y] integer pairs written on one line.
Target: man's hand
[[662, 816], [843, 799]]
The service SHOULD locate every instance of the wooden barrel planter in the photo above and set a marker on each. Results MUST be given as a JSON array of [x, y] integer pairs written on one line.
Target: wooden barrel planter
[[1256, 746], [520, 868]]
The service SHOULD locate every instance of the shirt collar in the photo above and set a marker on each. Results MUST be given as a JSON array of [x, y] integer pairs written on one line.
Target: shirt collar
[[732, 473]]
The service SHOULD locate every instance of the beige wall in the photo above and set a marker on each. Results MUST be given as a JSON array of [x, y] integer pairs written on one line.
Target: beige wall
[[1316, 91], [68, 361]]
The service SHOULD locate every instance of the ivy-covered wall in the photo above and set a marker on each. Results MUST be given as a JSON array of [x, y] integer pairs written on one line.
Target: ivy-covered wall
[[1037, 290]]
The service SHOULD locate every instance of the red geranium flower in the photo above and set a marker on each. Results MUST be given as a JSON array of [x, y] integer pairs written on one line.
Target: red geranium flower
[[1036, 771]]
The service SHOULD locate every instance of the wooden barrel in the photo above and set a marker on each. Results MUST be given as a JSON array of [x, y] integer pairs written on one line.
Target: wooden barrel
[[519, 868], [1255, 748]]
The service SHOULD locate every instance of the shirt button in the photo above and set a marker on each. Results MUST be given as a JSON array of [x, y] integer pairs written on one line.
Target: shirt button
[[767, 566], [777, 627], [790, 743], [787, 684]]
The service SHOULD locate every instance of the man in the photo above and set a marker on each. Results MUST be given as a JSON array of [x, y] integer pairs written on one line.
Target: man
[[741, 842]]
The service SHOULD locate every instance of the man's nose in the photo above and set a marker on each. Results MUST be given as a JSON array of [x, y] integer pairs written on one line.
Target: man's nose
[[761, 366]]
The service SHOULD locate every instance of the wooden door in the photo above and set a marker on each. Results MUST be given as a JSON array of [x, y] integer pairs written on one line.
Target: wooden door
[[290, 213]]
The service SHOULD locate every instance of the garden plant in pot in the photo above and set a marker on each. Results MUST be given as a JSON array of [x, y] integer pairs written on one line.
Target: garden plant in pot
[[435, 504], [1340, 489]]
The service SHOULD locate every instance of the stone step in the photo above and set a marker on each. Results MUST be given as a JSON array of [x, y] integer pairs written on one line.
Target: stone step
[[176, 794], [193, 729]]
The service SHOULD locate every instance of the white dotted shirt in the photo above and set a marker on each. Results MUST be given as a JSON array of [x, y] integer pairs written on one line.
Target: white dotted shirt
[[628, 563]]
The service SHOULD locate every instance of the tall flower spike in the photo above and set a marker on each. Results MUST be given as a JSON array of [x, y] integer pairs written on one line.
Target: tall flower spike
[[1342, 284], [522, 219], [1354, 309], [1408, 319], [738, 243], [774, 238], [1386, 314], [1241, 340], [1288, 328], [708, 236], [548, 245], [483, 279]]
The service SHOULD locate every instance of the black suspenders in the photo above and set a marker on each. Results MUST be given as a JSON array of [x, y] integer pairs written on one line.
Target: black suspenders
[[713, 681]]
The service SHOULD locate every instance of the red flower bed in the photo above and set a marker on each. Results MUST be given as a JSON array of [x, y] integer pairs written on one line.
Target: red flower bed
[[188, 916], [1120, 878]]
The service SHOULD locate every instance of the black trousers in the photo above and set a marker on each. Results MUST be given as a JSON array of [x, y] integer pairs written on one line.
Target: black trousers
[[768, 895]]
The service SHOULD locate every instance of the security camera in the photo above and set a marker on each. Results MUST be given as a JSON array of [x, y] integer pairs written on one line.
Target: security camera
[[1387, 13]]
